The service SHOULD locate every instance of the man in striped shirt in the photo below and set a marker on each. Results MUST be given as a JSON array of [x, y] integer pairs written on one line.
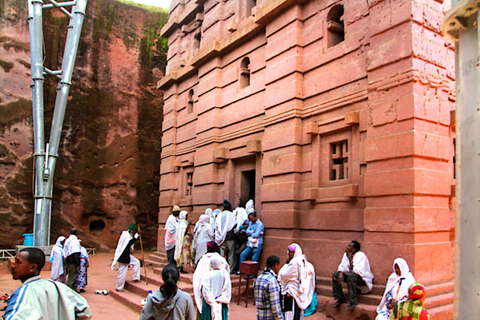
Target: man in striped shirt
[[39, 298], [267, 292]]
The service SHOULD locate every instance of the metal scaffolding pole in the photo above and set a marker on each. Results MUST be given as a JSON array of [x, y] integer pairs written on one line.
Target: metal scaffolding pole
[[461, 26], [45, 163]]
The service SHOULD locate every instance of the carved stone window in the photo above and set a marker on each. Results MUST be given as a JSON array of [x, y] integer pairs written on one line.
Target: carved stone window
[[339, 160], [190, 101], [335, 26], [245, 73], [250, 4], [189, 185]]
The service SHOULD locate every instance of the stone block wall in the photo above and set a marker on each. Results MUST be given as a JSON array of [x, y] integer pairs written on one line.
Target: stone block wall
[[334, 115]]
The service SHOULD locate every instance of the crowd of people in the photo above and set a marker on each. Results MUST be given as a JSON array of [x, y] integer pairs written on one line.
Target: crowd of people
[[221, 240], [238, 233], [70, 262]]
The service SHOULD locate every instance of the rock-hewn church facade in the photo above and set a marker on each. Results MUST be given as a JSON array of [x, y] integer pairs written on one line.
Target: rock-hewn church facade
[[336, 117]]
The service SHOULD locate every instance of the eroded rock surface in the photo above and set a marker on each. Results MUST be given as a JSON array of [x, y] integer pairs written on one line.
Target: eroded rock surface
[[108, 170]]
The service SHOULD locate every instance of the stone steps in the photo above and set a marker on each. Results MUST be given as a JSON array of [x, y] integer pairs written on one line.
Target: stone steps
[[439, 301]]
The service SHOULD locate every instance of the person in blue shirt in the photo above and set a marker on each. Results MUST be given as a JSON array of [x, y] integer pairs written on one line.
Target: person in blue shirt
[[255, 239]]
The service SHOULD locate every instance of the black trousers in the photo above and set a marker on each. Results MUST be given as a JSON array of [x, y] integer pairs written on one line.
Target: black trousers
[[352, 279], [290, 305], [170, 255]]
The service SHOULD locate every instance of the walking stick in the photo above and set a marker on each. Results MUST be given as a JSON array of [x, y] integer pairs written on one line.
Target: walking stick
[[143, 257]]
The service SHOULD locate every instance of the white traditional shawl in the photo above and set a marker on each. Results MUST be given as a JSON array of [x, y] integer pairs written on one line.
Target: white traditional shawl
[[240, 217], [71, 246], [394, 281], [298, 278], [203, 267], [249, 207], [203, 233], [217, 287], [122, 244], [224, 222], [46, 299], [180, 234], [170, 230], [56, 258], [209, 213], [361, 266]]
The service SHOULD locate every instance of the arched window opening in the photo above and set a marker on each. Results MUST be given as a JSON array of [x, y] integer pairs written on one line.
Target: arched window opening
[[250, 4], [335, 26], [190, 101], [245, 73]]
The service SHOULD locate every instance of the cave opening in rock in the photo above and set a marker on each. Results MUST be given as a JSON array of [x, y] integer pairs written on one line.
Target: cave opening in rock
[[96, 226]]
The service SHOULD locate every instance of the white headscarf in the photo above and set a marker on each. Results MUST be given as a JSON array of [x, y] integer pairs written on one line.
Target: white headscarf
[[215, 302], [56, 258], [201, 270], [394, 281], [59, 241], [209, 212], [240, 217], [180, 234], [224, 222], [298, 278], [249, 207], [202, 221]]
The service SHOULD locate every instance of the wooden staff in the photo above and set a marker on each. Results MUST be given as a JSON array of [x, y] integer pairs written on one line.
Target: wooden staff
[[143, 257], [190, 246]]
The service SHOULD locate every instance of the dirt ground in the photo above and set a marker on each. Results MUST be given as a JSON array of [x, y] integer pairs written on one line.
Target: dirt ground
[[100, 276]]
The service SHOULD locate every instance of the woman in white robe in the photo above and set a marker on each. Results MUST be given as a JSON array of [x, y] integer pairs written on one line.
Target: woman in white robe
[[56, 258], [216, 291], [203, 233], [396, 290], [182, 241], [297, 278]]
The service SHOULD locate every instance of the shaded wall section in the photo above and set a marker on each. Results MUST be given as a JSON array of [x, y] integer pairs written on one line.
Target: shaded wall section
[[108, 170]]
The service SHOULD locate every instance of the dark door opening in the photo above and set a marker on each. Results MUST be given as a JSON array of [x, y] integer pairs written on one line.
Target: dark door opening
[[247, 186]]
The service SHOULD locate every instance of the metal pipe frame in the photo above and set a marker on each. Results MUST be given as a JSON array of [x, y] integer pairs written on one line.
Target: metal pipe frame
[[45, 163], [460, 26]]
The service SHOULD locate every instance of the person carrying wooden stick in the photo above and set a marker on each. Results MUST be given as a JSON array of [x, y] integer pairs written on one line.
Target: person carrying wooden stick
[[123, 257]]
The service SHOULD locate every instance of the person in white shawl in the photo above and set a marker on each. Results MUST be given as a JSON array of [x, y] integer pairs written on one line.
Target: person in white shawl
[[354, 269], [203, 267], [182, 242], [170, 231], [123, 257], [216, 290], [297, 279], [56, 258], [398, 284], [203, 233], [211, 215], [249, 207], [224, 233]]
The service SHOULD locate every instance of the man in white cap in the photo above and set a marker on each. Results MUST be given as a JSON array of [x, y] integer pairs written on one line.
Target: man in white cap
[[170, 230]]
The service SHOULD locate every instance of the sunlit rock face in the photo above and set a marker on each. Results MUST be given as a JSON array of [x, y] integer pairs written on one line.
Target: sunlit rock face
[[108, 167]]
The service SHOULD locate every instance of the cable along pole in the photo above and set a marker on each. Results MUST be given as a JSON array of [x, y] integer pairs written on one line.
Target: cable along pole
[[46, 155]]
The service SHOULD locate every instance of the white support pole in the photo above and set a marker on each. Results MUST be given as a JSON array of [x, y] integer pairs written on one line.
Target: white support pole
[[460, 26]]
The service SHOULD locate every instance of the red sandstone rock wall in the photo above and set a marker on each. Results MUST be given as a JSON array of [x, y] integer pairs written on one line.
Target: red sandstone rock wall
[[108, 169]]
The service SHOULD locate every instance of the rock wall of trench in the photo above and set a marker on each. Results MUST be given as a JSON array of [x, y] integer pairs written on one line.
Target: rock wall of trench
[[108, 169]]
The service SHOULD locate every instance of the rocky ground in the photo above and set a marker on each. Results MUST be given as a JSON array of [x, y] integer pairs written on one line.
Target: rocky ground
[[106, 307]]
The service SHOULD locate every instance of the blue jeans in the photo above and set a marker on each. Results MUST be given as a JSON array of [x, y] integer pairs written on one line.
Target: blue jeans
[[254, 252]]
